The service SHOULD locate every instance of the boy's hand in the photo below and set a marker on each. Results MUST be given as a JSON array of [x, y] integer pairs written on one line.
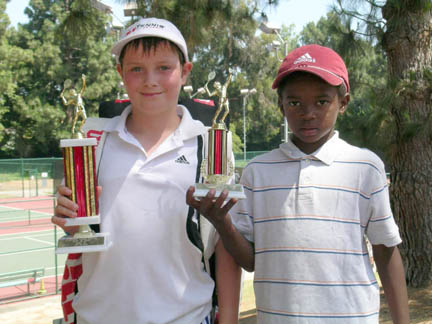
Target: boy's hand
[[216, 211], [66, 208], [212, 208]]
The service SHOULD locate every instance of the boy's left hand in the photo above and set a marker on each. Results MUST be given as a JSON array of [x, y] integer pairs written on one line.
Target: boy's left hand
[[212, 208]]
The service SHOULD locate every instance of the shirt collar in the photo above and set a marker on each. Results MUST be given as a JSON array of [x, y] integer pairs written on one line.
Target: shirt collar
[[187, 129], [327, 153]]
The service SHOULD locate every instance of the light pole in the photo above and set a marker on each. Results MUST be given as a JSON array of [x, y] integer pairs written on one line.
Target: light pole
[[268, 28], [189, 89], [245, 93]]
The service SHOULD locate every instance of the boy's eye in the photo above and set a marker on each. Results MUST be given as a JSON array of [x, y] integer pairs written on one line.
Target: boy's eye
[[136, 69], [293, 103], [164, 67], [322, 102]]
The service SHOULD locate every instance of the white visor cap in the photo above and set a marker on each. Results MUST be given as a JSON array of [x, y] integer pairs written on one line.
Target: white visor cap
[[151, 27]]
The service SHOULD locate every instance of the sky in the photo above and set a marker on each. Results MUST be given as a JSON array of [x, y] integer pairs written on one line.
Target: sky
[[297, 12]]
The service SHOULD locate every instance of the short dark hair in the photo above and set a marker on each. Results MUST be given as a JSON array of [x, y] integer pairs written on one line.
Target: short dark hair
[[149, 44]]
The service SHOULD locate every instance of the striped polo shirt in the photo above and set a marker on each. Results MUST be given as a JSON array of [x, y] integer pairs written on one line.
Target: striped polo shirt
[[308, 216]]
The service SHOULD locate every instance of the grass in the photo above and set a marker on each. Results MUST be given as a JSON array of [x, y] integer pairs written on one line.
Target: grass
[[5, 177], [248, 296]]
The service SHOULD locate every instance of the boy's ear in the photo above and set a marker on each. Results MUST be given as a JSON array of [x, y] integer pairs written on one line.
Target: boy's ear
[[187, 68], [344, 103], [119, 69], [280, 105]]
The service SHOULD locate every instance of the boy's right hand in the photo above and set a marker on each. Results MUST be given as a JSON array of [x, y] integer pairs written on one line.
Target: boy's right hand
[[66, 208], [215, 209]]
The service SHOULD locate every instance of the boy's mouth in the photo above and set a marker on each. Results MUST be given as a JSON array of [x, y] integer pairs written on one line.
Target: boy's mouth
[[307, 131], [151, 94]]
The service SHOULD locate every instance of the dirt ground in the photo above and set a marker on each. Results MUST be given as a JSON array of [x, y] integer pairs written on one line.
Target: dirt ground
[[420, 304]]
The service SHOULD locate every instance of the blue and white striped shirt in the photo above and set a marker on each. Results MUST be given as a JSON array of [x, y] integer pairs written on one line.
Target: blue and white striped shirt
[[308, 216]]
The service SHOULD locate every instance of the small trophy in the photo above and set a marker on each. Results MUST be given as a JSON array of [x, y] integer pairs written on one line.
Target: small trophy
[[80, 176], [218, 166]]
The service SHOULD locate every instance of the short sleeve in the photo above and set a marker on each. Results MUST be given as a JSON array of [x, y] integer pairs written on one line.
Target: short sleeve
[[382, 228], [241, 213]]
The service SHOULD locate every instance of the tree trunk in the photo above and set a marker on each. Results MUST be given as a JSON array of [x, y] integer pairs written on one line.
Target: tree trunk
[[407, 42]]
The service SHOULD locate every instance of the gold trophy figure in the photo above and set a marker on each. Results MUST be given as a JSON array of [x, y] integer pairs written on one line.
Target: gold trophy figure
[[75, 99], [221, 92], [79, 158], [218, 165]]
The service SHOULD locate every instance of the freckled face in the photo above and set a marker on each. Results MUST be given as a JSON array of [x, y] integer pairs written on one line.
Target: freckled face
[[311, 107], [153, 79]]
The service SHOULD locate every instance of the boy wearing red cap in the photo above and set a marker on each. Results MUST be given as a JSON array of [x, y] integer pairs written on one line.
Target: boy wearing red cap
[[310, 205], [156, 270]]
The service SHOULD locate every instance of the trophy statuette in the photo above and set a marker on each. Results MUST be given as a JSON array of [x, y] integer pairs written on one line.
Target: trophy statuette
[[217, 167], [79, 161]]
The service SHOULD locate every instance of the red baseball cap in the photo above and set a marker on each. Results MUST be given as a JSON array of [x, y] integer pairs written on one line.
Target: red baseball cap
[[319, 60]]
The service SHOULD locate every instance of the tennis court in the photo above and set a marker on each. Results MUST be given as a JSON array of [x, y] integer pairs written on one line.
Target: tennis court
[[27, 241]]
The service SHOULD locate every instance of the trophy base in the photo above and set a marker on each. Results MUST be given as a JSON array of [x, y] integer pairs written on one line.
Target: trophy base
[[93, 243], [234, 191], [87, 220]]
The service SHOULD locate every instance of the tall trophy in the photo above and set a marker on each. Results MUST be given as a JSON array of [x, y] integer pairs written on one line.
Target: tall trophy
[[79, 160], [217, 167]]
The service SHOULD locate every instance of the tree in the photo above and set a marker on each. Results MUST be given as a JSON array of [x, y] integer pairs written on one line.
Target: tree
[[403, 28], [408, 44], [38, 62], [6, 76]]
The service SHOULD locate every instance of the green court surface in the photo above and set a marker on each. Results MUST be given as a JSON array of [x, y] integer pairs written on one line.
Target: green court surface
[[22, 251], [8, 214], [27, 241]]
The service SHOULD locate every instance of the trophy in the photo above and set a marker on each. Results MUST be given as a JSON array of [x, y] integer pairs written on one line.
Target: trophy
[[79, 160], [217, 167]]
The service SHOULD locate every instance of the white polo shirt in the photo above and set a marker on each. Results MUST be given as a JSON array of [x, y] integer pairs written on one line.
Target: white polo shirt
[[308, 216], [153, 273]]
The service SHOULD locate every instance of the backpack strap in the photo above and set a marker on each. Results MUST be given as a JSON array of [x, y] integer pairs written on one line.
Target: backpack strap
[[193, 218]]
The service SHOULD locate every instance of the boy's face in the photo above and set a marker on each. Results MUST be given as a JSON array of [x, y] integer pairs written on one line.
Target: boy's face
[[311, 107], [153, 78]]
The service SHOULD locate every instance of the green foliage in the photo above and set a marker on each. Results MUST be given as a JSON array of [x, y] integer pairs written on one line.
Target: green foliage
[[80, 22], [237, 144], [64, 39], [35, 61]]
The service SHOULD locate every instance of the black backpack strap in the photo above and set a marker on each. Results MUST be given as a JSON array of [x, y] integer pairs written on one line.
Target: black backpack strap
[[193, 219]]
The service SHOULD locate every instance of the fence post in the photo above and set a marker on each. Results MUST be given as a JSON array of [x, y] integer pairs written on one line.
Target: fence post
[[37, 178], [22, 177], [56, 261]]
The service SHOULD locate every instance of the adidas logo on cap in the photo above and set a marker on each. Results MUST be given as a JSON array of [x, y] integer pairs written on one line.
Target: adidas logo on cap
[[305, 58]]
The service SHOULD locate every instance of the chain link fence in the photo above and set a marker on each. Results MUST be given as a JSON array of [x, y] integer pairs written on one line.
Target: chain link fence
[[30, 177]]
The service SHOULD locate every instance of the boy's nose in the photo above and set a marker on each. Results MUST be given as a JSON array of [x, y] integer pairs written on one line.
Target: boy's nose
[[307, 112], [148, 78]]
